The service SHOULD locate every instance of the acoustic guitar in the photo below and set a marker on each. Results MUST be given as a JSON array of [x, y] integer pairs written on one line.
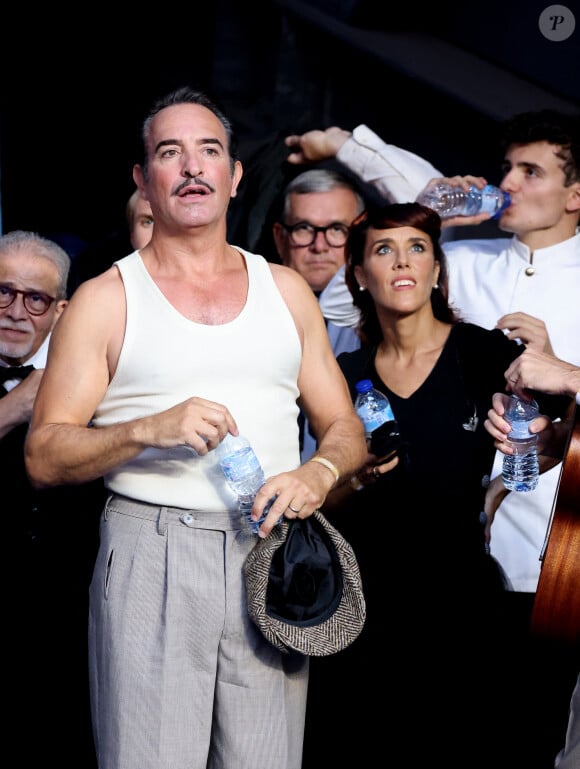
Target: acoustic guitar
[[556, 610]]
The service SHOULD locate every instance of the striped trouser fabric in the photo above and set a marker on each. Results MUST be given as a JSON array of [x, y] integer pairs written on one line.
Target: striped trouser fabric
[[180, 676]]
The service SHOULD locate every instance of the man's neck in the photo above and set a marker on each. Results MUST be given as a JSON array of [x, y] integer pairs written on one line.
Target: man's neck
[[546, 238]]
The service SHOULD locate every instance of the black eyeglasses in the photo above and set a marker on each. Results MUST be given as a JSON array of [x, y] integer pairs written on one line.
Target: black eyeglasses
[[304, 233], [35, 302]]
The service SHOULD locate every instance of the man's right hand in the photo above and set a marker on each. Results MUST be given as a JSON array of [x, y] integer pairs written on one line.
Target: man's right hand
[[315, 145], [16, 407], [532, 331], [464, 183]]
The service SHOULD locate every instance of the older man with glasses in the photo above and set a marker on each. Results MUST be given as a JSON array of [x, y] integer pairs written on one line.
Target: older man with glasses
[[33, 281], [318, 207], [50, 536]]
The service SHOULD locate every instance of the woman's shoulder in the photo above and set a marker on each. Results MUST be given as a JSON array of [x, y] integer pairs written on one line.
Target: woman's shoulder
[[466, 333], [356, 361], [484, 355]]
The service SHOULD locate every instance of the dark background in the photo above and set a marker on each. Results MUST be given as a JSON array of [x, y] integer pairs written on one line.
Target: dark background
[[75, 88]]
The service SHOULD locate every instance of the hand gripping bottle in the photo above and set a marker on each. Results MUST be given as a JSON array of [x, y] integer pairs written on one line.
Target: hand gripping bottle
[[243, 473], [376, 414], [520, 470], [450, 201]]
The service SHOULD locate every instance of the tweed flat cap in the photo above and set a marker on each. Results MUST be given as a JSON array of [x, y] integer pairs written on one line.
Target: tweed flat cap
[[304, 589]]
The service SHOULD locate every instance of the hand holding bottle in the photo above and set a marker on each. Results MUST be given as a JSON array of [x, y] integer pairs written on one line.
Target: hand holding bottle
[[376, 414], [520, 468], [244, 475], [462, 200], [296, 493]]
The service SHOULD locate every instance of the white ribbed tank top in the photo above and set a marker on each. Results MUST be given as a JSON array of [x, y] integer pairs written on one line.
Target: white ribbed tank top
[[250, 365]]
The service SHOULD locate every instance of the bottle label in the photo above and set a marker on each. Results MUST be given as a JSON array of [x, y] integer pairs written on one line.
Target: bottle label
[[372, 422], [371, 418]]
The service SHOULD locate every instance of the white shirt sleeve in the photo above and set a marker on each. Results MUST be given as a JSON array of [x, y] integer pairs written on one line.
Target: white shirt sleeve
[[399, 175], [336, 302]]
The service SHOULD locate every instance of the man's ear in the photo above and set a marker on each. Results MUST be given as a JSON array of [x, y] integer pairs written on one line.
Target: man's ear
[[279, 236], [236, 178], [58, 310], [573, 202], [139, 179]]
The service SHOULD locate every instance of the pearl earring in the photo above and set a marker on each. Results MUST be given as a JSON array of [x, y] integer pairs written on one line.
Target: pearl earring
[[361, 288], [435, 285]]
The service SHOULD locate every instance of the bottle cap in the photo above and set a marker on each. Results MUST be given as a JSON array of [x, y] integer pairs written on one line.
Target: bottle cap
[[504, 205], [364, 386]]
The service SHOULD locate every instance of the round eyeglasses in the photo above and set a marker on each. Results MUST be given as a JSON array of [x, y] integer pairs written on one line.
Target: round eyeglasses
[[304, 233], [35, 302]]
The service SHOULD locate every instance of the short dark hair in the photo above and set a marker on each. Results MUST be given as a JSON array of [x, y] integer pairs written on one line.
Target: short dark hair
[[187, 95], [547, 125], [384, 217]]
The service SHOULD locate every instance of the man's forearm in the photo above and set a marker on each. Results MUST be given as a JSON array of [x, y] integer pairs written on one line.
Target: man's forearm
[[344, 445], [69, 454]]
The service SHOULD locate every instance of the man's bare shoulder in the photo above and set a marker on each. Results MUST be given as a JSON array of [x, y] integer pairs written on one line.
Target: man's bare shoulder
[[299, 298], [105, 285]]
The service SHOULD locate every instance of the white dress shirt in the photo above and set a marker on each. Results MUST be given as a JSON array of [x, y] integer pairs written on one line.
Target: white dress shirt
[[38, 360]]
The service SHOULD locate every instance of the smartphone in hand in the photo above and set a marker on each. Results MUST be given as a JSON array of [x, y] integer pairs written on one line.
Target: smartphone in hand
[[385, 441]]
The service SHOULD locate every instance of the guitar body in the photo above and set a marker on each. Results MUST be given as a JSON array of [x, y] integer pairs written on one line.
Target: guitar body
[[556, 611]]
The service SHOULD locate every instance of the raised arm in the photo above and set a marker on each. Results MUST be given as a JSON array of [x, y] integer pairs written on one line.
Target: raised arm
[[398, 175]]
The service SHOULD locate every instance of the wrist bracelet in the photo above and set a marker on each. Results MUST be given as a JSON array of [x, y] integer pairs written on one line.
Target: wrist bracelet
[[329, 466]]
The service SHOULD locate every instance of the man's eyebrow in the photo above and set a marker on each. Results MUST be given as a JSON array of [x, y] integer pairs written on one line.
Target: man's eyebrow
[[521, 164], [178, 142]]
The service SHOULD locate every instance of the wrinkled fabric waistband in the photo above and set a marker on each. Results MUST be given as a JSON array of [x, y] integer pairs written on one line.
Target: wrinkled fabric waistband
[[177, 516]]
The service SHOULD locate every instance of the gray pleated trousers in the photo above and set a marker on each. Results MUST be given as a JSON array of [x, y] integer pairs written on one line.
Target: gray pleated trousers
[[180, 676]]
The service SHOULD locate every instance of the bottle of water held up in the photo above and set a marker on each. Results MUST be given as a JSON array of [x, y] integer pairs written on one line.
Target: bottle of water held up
[[376, 414], [450, 201], [520, 470], [244, 474]]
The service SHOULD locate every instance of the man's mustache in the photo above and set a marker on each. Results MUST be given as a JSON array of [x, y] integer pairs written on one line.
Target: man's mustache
[[195, 181]]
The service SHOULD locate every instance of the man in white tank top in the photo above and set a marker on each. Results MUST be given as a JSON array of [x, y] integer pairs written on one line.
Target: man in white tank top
[[153, 363]]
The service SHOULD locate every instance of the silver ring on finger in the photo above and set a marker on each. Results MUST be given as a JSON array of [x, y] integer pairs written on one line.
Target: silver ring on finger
[[294, 510]]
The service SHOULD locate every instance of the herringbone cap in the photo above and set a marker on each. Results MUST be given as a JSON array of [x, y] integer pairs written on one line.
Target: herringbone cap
[[304, 588]]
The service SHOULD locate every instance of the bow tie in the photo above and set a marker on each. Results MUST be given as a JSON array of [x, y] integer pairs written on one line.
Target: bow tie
[[14, 372]]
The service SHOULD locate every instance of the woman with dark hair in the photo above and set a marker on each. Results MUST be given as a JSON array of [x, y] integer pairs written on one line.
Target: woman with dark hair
[[416, 521], [439, 374]]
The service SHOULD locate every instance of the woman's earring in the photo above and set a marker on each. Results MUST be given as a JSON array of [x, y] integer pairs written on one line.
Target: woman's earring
[[361, 288], [435, 285]]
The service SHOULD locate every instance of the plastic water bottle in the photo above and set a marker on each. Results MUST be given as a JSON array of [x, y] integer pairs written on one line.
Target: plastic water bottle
[[376, 414], [244, 474], [520, 470], [449, 201]]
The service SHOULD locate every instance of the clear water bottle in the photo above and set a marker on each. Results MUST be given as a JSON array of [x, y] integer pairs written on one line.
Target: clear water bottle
[[376, 414], [450, 201], [520, 470], [244, 474]]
